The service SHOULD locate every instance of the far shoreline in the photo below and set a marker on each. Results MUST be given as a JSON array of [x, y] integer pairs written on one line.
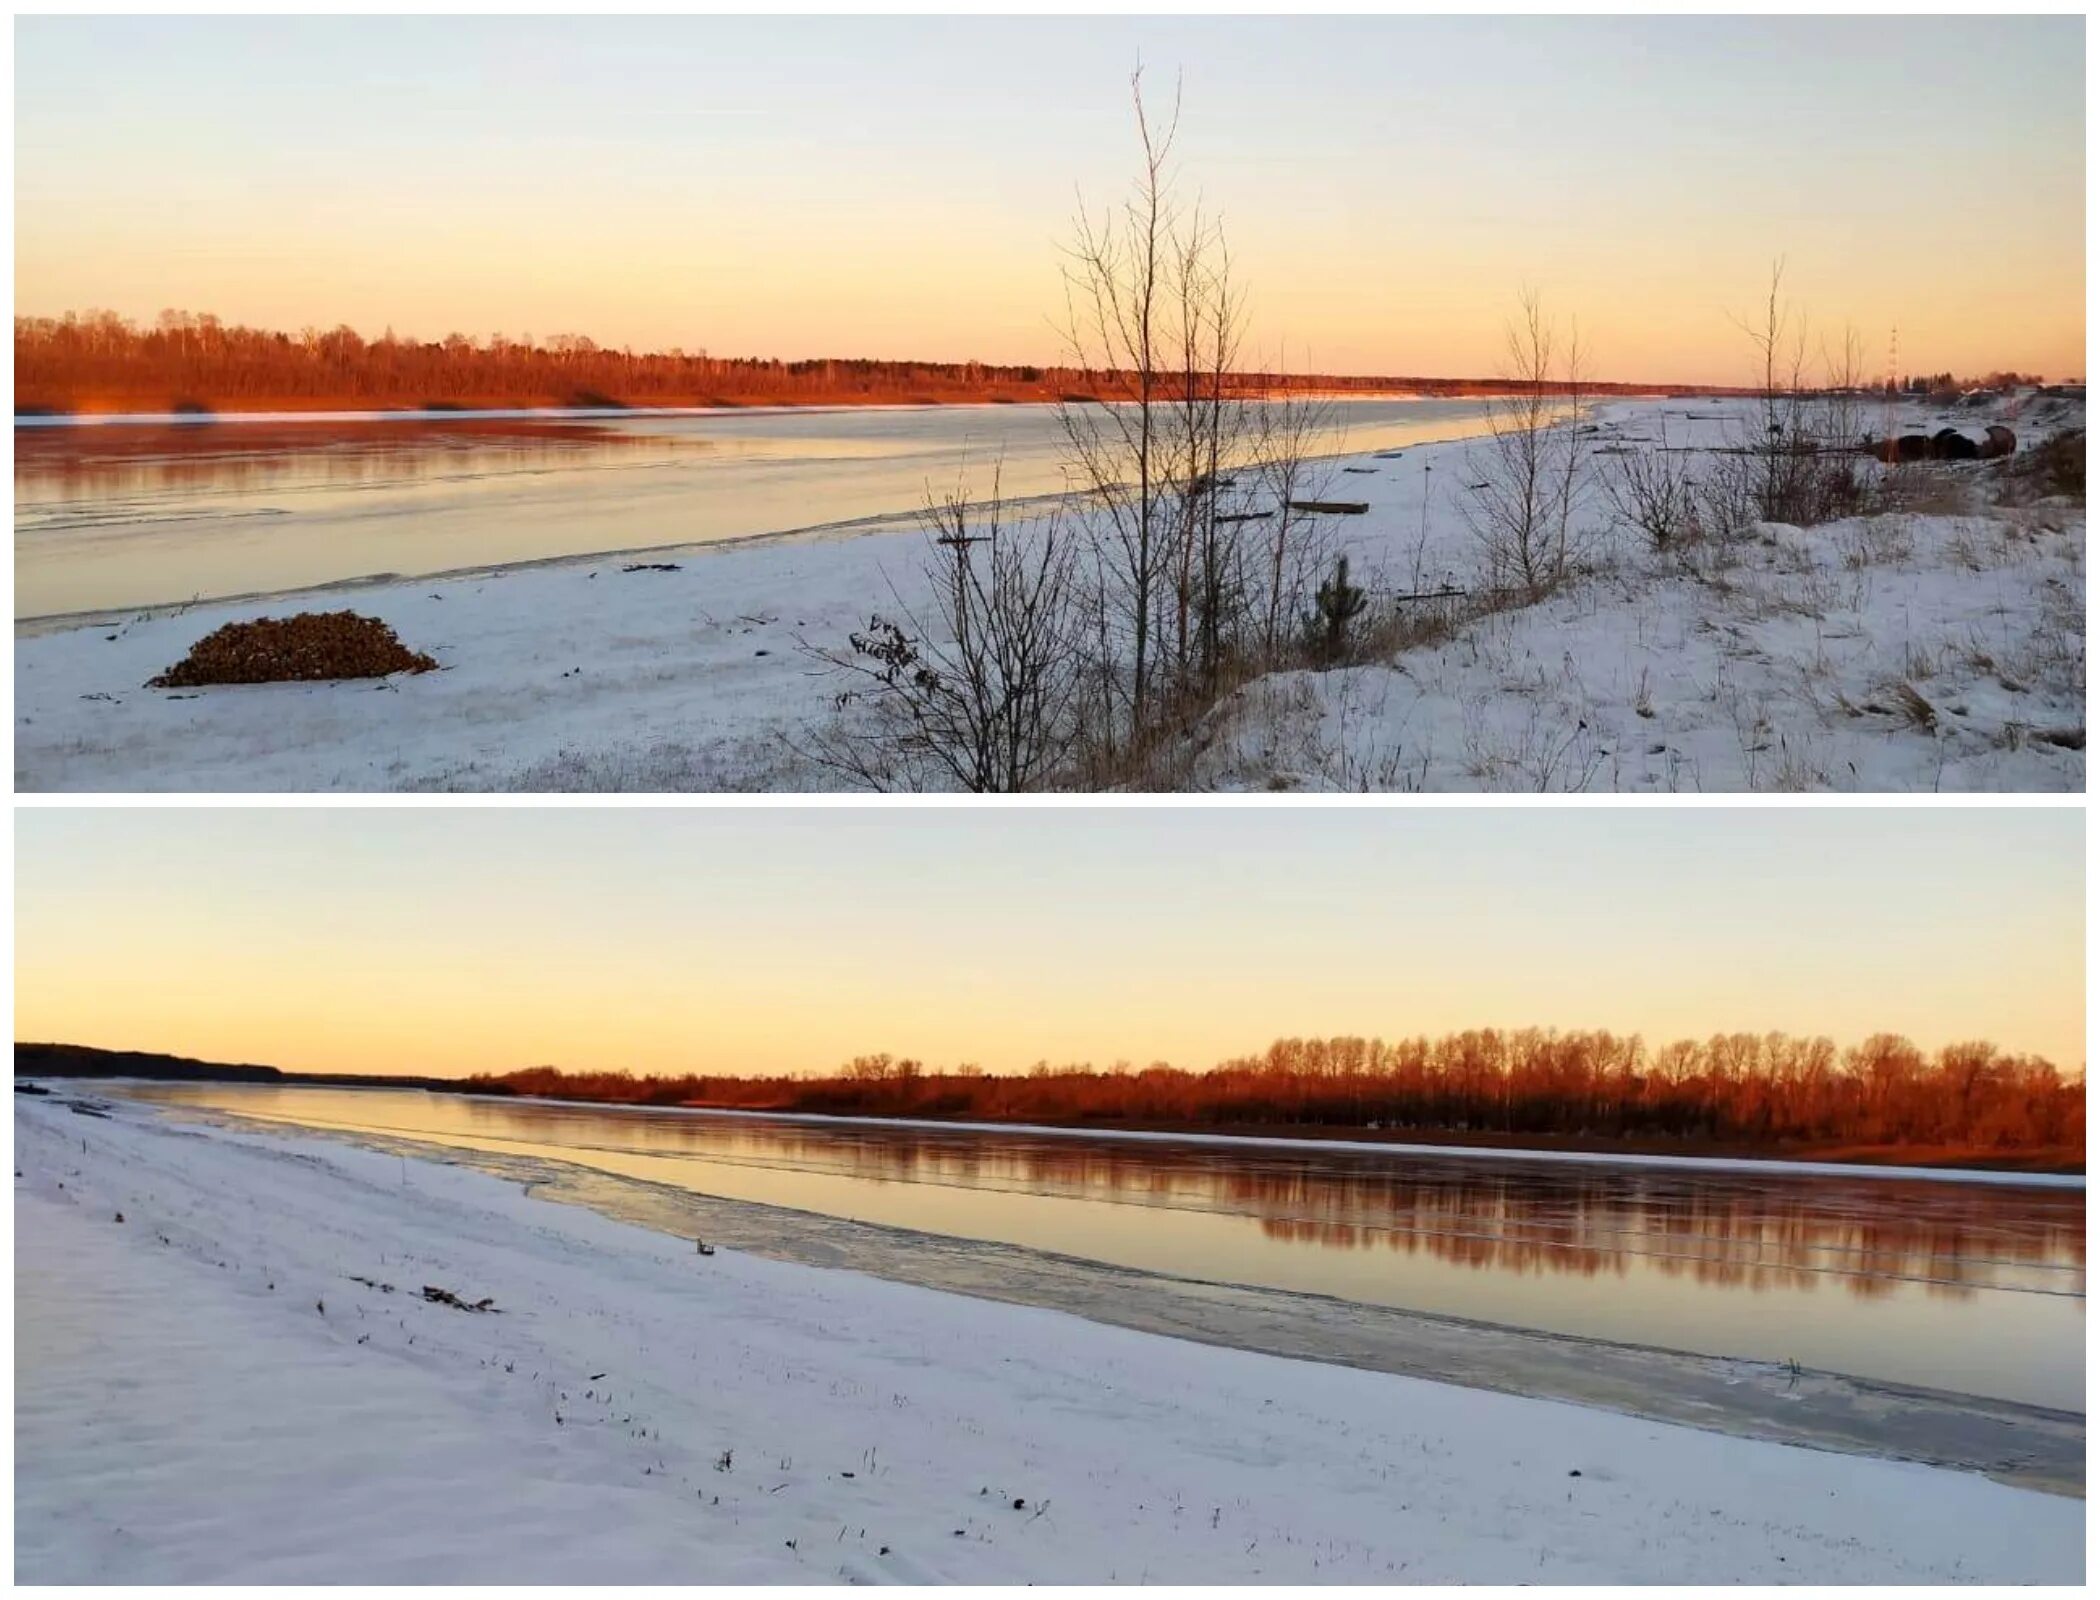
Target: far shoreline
[[2040, 1169], [203, 411]]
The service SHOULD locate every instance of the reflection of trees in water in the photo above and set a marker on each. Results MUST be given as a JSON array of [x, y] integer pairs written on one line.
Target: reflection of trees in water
[[113, 462], [1758, 1235], [1758, 1267], [1725, 1229]]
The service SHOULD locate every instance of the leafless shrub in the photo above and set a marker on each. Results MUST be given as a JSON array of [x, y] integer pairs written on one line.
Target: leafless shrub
[[1656, 492], [1804, 464], [1729, 497], [983, 694]]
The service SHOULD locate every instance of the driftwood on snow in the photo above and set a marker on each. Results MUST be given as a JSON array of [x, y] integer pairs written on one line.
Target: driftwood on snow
[[445, 1297]]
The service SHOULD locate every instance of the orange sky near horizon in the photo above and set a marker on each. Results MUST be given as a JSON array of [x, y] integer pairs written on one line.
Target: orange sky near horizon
[[776, 939], [900, 187]]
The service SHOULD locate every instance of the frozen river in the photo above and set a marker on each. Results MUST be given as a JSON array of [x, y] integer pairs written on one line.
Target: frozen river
[[111, 515], [1968, 1288]]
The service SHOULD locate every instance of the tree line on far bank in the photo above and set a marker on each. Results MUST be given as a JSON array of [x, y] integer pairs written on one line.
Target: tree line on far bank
[[1741, 1091], [99, 360]]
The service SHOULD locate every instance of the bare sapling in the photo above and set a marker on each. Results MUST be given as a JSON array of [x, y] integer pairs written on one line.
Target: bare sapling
[[1172, 460], [1838, 426], [1117, 277], [1530, 465], [1839, 420], [1780, 338], [1293, 438], [1207, 429]]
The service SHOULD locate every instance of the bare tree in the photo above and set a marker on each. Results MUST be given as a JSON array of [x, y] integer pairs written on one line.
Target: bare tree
[[1183, 547], [983, 693], [1840, 421], [1208, 435], [1522, 511], [1176, 456], [1119, 270], [1786, 447]]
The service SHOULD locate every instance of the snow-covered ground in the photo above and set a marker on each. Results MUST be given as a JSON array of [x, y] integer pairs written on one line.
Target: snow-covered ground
[[1905, 651], [227, 1370]]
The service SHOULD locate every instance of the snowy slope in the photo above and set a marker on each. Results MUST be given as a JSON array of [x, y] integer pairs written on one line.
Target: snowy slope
[[204, 1391], [1650, 681]]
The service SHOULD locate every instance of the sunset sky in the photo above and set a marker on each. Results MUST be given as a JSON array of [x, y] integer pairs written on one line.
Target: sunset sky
[[900, 187], [449, 941]]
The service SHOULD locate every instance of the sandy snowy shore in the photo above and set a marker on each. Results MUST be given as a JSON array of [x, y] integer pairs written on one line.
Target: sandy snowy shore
[[1916, 650], [223, 1386]]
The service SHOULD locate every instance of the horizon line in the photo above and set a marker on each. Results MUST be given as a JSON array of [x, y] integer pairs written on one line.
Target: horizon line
[[1120, 1068]]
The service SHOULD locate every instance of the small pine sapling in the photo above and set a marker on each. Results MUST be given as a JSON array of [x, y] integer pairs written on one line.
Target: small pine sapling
[[1339, 603]]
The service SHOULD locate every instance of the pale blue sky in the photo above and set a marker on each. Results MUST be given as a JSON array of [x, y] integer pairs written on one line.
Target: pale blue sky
[[801, 186], [455, 940]]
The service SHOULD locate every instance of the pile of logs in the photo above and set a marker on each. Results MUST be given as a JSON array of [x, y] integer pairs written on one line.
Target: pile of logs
[[1949, 444]]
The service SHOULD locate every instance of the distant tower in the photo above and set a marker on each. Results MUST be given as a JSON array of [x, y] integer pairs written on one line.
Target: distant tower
[[1888, 391]]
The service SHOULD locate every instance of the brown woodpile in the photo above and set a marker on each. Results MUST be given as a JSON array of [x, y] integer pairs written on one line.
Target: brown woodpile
[[313, 646]]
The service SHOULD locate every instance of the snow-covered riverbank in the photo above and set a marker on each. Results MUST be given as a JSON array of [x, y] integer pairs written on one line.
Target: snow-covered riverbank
[[1795, 667], [220, 1386]]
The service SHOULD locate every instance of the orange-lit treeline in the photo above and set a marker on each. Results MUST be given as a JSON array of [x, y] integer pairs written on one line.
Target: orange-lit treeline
[[98, 360], [1743, 1090]]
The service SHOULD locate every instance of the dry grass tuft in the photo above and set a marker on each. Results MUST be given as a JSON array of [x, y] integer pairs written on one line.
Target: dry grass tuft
[[1913, 707], [1930, 489]]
